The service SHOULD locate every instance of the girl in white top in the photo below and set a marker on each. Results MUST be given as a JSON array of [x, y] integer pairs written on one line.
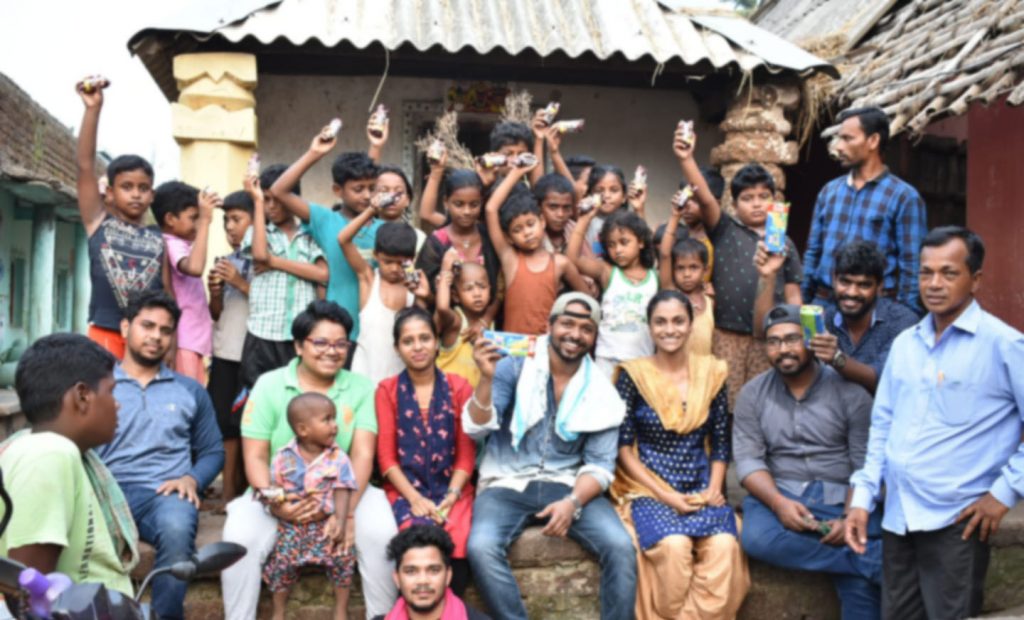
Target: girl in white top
[[627, 277], [382, 291]]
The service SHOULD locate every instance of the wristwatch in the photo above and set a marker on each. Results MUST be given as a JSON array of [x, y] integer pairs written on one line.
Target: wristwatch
[[839, 360], [577, 506]]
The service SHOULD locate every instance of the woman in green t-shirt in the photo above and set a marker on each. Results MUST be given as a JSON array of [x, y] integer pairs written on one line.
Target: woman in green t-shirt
[[321, 343]]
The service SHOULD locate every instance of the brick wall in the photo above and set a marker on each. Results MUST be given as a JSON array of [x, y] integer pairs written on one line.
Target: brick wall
[[33, 139]]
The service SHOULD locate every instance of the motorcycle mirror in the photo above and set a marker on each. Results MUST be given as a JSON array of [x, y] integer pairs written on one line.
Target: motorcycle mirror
[[217, 556]]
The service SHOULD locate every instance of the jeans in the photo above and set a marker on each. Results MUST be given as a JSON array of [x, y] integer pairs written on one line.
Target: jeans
[[857, 578], [499, 517], [169, 524]]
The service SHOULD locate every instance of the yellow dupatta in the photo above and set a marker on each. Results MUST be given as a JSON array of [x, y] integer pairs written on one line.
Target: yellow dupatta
[[707, 376]]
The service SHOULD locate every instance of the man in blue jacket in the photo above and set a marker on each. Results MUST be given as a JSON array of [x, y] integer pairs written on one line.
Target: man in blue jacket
[[167, 448]]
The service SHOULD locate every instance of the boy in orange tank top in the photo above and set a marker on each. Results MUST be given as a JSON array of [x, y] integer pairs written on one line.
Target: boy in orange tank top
[[533, 275]]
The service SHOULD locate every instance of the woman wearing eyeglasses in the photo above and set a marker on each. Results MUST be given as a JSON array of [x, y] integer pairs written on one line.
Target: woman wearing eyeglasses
[[674, 447], [320, 334], [424, 456]]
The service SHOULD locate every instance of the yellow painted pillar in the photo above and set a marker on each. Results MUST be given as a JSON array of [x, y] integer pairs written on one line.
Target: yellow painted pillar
[[214, 123]]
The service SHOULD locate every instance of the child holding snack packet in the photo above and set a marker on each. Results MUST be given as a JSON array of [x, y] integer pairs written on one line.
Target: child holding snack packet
[[354, 177], [682, 266], [311, 465], [533, 275], [383, 291], [184, 214], [467, 286], [627, 277], [126, 256], [735, 274], [609, 184]]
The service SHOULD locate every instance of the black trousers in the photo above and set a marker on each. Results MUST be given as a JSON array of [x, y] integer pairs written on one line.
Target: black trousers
[[933, 575], [260, 356]]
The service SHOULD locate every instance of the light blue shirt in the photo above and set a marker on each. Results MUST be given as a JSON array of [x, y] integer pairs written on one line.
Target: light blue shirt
[[946, 424], [342, 285], [542, 454]]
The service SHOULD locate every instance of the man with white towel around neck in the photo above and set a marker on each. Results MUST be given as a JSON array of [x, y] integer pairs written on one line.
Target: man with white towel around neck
[[552, 424]]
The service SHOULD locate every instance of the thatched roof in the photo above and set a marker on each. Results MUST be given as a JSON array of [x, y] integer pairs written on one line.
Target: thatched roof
[[932, 58]]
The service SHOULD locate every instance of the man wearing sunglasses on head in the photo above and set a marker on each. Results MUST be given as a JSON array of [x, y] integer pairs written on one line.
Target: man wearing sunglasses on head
[[800, 430], [322, 346]]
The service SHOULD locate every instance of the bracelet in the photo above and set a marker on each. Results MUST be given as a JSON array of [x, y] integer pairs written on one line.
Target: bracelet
[[457, 493], [473, 401]]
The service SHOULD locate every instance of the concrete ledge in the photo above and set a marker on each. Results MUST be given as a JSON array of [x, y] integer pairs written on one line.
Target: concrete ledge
[[560, 581]]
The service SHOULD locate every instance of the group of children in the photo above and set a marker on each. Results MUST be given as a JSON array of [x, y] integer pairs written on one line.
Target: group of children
[[505, 241]]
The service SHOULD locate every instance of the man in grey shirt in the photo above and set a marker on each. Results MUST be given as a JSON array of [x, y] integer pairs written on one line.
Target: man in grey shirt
[[800, 430]]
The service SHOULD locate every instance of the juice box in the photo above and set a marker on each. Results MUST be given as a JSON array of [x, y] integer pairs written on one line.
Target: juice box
[[812, 318], [775, 227], [515, 345]]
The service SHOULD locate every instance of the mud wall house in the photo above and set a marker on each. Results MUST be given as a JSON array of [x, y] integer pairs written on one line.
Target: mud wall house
[[44, 277], [950, 74], [278, 71]]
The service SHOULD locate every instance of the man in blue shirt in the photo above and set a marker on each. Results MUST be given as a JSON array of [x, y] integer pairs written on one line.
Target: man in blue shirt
[[167, 448], [862, 324], [945, 440], [552, 426], [869, 203]]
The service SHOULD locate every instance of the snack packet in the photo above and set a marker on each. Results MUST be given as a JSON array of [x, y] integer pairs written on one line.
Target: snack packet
[[492, 160], [331, 130], [436, 151], [686, 129], [682, 196], [550, 112], [590, 203], [252, 169], [510, 344], [573, 126], [775, 227], [378, 120], [639, 178], [92, 83]]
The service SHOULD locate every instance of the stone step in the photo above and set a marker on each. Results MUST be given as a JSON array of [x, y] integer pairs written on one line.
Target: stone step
[[559, 581]]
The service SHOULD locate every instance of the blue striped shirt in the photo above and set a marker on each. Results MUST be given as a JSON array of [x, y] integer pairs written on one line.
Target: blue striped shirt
[[886, 211]]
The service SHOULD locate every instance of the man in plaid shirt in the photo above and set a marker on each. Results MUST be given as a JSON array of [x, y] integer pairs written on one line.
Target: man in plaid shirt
[[870, 203]]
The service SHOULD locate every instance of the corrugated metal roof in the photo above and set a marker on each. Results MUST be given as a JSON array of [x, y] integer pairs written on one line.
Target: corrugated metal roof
[[633, 28], [827, 27]]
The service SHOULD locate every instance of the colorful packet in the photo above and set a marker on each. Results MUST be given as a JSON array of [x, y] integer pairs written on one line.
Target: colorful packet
[[775, 227], [510, 344], [812, 318]]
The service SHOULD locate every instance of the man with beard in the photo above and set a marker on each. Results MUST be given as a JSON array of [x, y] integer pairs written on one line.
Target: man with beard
[[423, 573], [945, 440], [167, 448], [868, 203], [862, 324], [551, 419], [800, 430]]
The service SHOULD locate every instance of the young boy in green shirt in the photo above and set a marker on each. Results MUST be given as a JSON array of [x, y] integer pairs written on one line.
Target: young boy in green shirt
[[68, 513]]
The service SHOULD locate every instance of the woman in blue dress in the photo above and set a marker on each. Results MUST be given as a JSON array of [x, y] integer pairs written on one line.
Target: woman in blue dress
[[674, 448]]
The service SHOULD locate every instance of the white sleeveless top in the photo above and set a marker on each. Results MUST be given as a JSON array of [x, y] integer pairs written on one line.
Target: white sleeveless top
[[623, 333], [375, 355]]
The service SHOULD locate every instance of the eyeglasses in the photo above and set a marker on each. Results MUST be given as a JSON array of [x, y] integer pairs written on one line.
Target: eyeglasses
[[790, 341], [321, 345]]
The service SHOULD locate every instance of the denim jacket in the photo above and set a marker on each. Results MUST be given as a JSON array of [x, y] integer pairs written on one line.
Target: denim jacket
[[542, 454]]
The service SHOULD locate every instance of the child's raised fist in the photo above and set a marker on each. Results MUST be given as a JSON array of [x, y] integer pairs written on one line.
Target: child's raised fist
[[208, 201], [251, 184], [90, 89]]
